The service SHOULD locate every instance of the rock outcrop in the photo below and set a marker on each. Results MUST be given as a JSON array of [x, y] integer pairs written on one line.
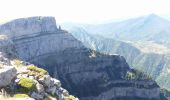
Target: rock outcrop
[[6, 75], [155, 64], [21, 80], [28, 82], [83, 72]]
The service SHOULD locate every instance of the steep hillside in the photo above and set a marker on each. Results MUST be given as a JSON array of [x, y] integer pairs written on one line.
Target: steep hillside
[[21, 80], [151, 62], [86, 73]]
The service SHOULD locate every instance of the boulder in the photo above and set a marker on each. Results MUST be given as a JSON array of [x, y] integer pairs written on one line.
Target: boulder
[[52, 90], [61, 97], [46, 79], [6, 75], [37, 96], [56, 82], [65, 92], [39, 87]]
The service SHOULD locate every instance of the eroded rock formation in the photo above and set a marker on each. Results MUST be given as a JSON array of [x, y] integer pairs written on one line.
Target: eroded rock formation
[[85, 73]]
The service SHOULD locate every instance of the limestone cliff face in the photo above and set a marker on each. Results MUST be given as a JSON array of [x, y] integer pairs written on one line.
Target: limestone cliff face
[[84, 72], [154, 64], [28, 26]]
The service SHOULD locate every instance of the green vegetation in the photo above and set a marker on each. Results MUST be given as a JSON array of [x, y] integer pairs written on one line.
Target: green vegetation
[[38, 70], [93, 54], [21, 96], [27, 85], [70, 97], [136, 75], [17, 62], [130, 76]]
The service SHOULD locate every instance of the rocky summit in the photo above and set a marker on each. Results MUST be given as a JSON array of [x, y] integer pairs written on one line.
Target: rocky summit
[[21, 80], [85, 73]]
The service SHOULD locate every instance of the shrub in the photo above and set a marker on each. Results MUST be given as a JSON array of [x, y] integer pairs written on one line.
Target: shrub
[[136, 75], [21, 96], [130, 76], [17, 62], [27, 85], [39, 70]]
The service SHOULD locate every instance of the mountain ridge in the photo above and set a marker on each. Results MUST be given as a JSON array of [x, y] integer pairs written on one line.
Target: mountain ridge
[[152, 63], [84, 72], [146, 28]]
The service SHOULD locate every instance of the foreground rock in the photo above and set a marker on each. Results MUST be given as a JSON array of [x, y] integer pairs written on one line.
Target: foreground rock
[[34, 83], [20, 80], [6, 75]]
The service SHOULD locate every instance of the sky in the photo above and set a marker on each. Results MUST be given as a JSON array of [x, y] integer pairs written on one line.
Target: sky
[[82, 11]]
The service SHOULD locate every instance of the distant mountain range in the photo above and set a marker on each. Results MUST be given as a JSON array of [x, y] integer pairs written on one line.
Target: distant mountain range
[[146, 28], [142, 41]]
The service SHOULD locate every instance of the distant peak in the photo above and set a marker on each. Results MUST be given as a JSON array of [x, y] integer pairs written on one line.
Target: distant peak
[[153, 16]]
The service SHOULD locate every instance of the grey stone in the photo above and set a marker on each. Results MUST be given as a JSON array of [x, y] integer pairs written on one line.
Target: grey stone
[[57, 82], [65, 92], [39, 87], [46, 79], [52, 90], [61, 97], [6, 75], [37, 96]]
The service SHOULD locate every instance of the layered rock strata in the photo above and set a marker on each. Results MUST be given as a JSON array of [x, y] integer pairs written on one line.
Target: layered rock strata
[[85, 73]]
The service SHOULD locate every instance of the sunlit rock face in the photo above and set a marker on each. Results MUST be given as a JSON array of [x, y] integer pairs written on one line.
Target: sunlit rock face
[[28, 26], [85, 73]]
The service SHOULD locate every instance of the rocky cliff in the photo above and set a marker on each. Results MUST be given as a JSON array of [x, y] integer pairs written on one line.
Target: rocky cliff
[[147, 57], [21, 80], [85, 73]]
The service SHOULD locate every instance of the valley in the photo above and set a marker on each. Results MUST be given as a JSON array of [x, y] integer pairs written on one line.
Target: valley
[[143, 41]]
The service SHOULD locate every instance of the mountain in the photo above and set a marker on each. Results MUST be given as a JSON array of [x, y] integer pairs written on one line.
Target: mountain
[[146, 28], [85, 73], [20, 80], [151, 62], [145, 43]]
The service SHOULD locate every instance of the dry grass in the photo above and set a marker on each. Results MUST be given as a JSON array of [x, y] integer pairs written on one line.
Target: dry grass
[[7, 98], [4, 95], [17, 63]]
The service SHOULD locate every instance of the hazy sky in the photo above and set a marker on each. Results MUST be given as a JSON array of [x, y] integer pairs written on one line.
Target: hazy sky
[[82, 11]]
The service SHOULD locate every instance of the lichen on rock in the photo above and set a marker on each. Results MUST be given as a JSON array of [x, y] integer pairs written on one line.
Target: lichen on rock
[[27, 84], [38, 70]]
